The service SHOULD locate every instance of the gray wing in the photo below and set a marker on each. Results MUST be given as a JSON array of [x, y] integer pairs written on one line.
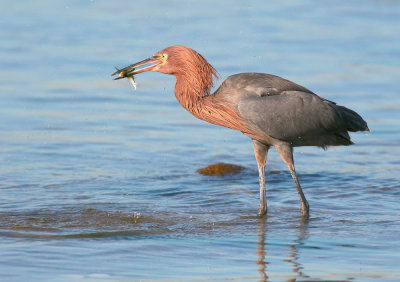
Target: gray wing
[[291, 115]]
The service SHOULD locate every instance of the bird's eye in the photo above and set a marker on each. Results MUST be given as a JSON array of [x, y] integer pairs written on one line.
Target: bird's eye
[[164, 57]]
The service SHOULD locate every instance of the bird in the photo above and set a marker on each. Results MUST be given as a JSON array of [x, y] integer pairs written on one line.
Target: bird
[[270, 110]]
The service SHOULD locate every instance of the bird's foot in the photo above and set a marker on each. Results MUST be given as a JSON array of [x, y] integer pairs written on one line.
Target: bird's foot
[[305, 209], [262, 211]]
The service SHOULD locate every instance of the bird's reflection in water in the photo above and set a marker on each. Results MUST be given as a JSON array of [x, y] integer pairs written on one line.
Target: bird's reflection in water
[[294, 254], [261, 249]]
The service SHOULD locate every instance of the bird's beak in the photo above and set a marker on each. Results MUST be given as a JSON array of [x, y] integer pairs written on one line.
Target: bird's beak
[[130, 70]]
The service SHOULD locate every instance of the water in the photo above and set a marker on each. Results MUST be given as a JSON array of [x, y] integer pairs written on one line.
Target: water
[[99, 183]]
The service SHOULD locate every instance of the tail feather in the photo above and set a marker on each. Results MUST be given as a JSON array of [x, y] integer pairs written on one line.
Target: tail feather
[[353, 120]]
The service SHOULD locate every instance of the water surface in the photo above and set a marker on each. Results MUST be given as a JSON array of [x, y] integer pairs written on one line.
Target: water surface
[[99, 183]]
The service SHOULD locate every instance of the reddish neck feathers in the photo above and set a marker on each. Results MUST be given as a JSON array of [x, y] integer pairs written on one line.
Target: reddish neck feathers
[[194, 80], [192, 90]]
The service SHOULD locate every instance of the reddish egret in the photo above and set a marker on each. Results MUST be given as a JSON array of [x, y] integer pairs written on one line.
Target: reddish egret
[[272, 111]]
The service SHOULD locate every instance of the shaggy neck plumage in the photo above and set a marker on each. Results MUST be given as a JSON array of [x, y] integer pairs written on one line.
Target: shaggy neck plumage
[[192, 89], [189, 97], [194, 82]]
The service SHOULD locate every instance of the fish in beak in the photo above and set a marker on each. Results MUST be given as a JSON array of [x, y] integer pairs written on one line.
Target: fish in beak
[[132, 69], [129, 71]]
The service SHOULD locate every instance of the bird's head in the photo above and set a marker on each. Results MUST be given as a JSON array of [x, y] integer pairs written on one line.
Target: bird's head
[[184, 63]]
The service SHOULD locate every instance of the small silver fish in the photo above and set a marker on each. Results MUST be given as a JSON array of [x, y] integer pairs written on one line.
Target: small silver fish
[[125, 74], [132, 80]]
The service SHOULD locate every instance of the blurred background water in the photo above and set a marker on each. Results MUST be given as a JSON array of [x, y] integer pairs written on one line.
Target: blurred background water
[[99, 183]]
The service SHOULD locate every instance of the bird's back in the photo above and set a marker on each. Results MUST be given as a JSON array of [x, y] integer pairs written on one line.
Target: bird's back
[[242, 85], [286, 111]]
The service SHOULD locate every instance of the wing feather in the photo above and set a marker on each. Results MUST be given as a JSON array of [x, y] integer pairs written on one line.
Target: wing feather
[[291, 115]]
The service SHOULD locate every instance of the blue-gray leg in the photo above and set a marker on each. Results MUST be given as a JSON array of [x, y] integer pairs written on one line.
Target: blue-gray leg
[[260, 152], [286, 153]]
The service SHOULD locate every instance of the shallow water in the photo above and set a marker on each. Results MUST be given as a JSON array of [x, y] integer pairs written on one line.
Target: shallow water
[[99, 183]]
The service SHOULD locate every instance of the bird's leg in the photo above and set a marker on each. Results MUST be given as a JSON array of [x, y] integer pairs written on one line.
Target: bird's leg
[[305, 207], [286, 153], [260, 152]]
